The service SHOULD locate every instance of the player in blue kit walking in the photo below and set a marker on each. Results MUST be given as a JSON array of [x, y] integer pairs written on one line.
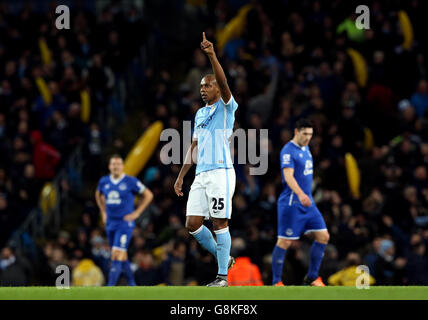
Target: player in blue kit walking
[[297, 212], [115, 199], [211, 193]]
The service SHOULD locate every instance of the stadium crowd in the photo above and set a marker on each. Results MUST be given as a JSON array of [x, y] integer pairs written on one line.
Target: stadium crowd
[[290, 62], [37, 135]]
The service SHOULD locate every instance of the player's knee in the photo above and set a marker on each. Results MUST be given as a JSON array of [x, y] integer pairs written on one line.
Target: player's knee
[[192, 226], [283, 243], [123, 256], [323, 237], [114, 254], [119, 255], [219, 224]]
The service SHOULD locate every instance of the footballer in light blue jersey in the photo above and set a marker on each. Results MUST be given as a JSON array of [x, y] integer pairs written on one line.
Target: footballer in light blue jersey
[[297, 212], [213, 128], [115, 198], [210, 196]]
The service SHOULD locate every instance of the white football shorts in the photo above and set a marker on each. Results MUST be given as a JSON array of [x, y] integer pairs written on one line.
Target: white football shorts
[[211, 194]]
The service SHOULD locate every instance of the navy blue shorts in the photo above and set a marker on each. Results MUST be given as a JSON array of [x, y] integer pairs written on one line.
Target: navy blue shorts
[[119, 234], [295, 219]]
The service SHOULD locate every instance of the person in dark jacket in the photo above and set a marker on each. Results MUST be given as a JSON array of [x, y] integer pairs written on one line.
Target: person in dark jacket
[[15, 271], [417, 264]]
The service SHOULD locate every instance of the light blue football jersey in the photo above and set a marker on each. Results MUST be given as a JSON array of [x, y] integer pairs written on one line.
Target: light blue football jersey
[[213, 128]]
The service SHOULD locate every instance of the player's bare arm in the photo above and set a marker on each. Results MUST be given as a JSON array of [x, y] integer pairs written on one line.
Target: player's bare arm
[[291, 181], [101, 203], [147, 198], [188, 162], [220, 77]]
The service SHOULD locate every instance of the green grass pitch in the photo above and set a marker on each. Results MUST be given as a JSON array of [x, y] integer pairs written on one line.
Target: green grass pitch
[[204, 293]]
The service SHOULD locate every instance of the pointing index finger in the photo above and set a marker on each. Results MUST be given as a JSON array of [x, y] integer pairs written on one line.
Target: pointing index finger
[[203, 36]]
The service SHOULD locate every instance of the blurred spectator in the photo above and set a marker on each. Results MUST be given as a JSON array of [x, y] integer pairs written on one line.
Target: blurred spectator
[[348, 276], [243, 273], [330, 263], [196, 73], [417, 262], [101, 254], [387, 268], [57, 258], [205, 266], [420, 98], [86, 273], [46, 157], [15, 271], [147, 273], [176, 261]]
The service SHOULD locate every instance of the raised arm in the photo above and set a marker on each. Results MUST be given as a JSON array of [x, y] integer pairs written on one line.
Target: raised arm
[[220, 77]]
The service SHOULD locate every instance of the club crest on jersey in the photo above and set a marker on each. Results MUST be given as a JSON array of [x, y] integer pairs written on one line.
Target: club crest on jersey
[[113, 197], [122, 186], [289, 232], [107, 186], [308, 168]]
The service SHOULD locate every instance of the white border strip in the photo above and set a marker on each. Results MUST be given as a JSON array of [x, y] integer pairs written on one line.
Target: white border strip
[[314, 230], [289, 238]]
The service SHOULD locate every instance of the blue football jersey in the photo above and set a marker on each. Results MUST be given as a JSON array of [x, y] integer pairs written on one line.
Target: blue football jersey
[[119, 194], [213, 128], [300, 159]]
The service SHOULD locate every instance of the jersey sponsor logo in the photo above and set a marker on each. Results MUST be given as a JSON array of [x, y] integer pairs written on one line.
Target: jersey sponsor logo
[[205, 123], [113, 197], [308, 168], [286, 158], [122, 186]]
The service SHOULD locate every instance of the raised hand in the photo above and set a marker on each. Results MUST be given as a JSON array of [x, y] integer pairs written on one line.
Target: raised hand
[[206, 45]]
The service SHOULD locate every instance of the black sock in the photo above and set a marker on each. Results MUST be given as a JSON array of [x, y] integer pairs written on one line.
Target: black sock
[[222, 276]]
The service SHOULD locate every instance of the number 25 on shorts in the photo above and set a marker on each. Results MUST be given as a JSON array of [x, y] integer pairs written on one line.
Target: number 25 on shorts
[[218, 203]]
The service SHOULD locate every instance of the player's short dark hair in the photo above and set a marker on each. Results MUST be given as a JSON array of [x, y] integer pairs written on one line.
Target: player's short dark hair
[[304, 123], [115, 156]]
